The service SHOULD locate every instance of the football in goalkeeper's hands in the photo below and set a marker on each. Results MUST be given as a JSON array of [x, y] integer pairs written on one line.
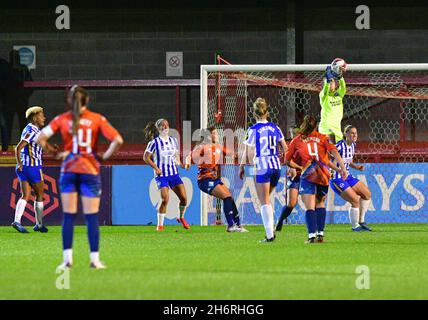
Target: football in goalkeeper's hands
[[338, 66]]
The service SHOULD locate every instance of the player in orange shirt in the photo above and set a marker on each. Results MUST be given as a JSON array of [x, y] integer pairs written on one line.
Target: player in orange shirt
[[310, 152], [80, 170], [208, 155]]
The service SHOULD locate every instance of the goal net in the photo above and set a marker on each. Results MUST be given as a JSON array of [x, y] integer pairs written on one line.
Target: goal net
[[387, 103]]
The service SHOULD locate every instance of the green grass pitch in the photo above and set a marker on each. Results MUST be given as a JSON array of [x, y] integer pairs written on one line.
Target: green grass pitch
[[208, 263]]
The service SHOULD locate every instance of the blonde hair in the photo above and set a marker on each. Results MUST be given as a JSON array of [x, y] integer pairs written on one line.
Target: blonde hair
[[32, 110], [348, 127], [260, 107]]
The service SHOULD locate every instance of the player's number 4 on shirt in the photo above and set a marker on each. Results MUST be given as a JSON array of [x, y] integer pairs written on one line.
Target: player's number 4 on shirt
[[315, 152]]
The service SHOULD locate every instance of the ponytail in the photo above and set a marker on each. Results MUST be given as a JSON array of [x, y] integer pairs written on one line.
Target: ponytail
[[150, 131], [79, 98]]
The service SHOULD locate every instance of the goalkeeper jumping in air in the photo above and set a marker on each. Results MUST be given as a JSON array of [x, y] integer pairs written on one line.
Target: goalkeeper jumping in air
[[331, 97]]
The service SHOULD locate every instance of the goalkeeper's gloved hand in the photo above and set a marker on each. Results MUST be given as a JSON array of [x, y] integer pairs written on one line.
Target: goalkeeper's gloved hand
[[329, 75], [336, 71], [337, 75]]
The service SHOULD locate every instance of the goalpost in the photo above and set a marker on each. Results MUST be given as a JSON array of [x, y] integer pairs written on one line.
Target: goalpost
[[388, 103]]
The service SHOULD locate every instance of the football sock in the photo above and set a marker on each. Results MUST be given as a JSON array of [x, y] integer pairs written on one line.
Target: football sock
[[68, 255], [311, 223], [267, 217], [353, 216], [236, 218], [19, 210], [161, 218], [364, 205], [94, 256], [38, 209], [286, 211], [321, 215], [228, 210], [182, 210], [67, 230], [93, 232]]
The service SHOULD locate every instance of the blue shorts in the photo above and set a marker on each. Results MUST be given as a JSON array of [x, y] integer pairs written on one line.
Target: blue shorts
[[32, 175], [87, 185], [307, 187], [339, 185], [207, 185], [293, 183], [170, 181], [268, 175]]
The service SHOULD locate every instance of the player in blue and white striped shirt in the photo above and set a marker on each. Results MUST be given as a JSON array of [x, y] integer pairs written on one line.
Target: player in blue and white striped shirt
[[352, 190], [163, 155], [29, 169], [261, 144]]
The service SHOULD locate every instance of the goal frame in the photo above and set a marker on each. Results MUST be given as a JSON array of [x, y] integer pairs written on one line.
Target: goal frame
[[205, 69]]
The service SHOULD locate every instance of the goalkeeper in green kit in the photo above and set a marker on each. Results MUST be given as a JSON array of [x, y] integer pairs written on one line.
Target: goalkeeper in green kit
[[331, 97]]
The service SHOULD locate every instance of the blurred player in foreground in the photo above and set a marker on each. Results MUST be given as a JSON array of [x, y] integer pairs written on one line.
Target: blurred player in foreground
[[352, 190], [208, 155], [80, 170], [163, 155], [261, 147], [331, 100], [28, 155], [310, 151]]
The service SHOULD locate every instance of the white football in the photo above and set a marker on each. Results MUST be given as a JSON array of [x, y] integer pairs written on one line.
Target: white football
[[338, 65]]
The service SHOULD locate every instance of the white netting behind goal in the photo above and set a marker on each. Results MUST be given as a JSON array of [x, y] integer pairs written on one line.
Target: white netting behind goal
[[389, 109]]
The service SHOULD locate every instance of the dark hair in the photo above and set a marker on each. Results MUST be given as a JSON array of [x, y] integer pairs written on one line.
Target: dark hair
[[30, 119], [308, 125], [348, 127], [150, 131], [211, 129], [206, 135]]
